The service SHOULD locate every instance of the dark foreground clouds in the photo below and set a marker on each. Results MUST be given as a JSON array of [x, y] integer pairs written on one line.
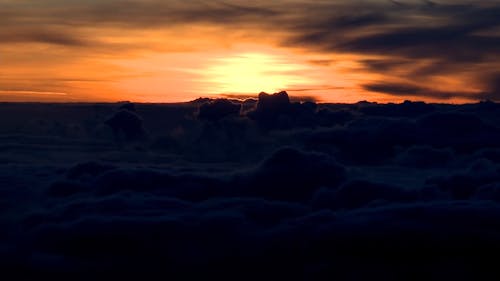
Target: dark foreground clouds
[[281, 190]]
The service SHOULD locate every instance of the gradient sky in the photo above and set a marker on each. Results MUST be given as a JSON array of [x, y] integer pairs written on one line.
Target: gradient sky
[[173, 50]]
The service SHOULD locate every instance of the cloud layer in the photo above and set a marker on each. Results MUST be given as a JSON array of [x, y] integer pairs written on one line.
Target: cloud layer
[[229, 190]]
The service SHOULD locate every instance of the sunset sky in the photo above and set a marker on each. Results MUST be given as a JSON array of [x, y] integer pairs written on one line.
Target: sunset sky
[[174, 50]]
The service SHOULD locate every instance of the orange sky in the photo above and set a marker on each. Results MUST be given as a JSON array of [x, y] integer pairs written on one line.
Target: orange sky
[[65, 51]]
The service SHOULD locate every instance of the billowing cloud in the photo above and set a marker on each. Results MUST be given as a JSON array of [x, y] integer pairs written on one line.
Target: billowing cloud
[[329, 190]]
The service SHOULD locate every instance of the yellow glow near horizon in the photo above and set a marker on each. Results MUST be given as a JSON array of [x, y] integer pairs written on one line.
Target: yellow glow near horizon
[[179, 76], [254, 72]]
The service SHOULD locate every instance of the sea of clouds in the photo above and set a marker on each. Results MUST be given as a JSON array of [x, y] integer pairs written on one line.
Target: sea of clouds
[[244, 190]]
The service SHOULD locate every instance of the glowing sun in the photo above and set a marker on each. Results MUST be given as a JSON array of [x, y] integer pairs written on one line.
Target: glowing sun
[[254, 72]]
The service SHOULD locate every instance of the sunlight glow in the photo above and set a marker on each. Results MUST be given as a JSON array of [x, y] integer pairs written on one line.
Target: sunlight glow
[[254, 72]]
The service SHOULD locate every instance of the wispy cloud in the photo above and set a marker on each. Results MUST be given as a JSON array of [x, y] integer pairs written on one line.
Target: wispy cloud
[[417, 41], [32, 93]]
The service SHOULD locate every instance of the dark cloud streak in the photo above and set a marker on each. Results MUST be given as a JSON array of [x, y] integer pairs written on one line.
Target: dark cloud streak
[[402, 89]]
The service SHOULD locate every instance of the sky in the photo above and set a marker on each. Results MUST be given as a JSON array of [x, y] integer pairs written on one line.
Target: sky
[[173, 50]]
